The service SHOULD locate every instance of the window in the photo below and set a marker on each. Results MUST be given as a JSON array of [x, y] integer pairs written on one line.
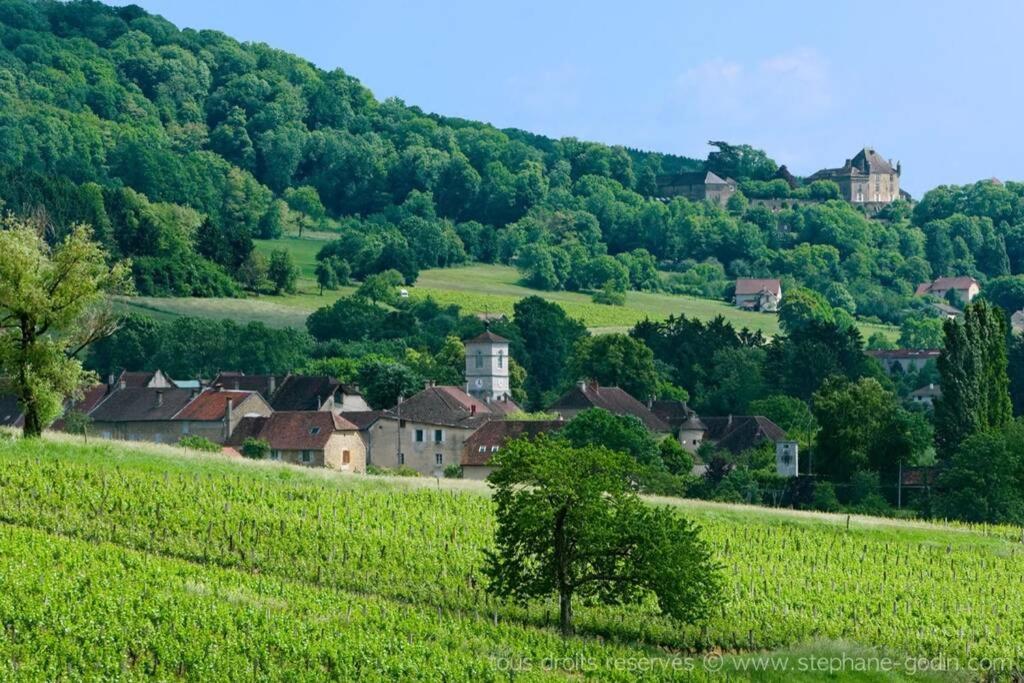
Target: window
[[419, 436], [438, 435], [346, 457], [494, 449], [438, 459], [184, 427], [501, 359], [401, 423], [479, 359], [314, 430], [482, 449], [275, 455], [307, 456], [401, 458]]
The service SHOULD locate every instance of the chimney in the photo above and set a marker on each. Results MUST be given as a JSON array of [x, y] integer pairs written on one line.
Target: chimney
[[110, 380], [123, 384], [318, 403], [228, 411], [273, 385], [581, 385], [218, 387], [159, 398], [472, 409], [729, 423]]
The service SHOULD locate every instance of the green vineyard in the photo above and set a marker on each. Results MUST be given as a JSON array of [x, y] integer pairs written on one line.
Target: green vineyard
[[131, 564]]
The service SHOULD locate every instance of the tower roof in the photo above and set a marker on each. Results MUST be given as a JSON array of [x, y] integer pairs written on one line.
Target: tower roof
[[487, 337]]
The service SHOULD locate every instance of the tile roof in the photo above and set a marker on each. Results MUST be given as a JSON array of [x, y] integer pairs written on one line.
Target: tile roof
[[903, 354], [444, 405], [303, 392], [932, 391], [484, 442], [140, 404], [363, 418], [487, 337], [11, 414], [291, 430], [613, 399], [244, 382], [738, 433], [91, 398], [212, 405], [960, 282], [756, 286]]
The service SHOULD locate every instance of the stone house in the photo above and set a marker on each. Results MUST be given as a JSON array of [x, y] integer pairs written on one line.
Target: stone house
[[215, 413], [904, 360], [683, 421], [587, 395], [754, 294], [310, 438], [140, 414], [165, 415], [486, 441], [697, 186], [964, 286], [867, 179], [427, 432]]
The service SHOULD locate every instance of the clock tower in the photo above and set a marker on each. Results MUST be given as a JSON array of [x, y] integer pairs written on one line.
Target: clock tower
[[487, 367]]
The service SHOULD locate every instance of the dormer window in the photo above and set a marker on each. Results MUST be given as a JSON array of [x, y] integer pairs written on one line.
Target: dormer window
[[314, 431]]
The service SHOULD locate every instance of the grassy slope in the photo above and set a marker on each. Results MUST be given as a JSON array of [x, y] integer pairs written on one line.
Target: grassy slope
[[478, 288], [796, 583]]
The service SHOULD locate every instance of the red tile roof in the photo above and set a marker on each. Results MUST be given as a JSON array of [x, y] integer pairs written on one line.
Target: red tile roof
[[449, 406], [755, 286], [211, 405], [291, 430], [486, 441]]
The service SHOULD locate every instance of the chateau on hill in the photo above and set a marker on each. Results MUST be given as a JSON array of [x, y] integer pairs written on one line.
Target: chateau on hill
[[865, 179]]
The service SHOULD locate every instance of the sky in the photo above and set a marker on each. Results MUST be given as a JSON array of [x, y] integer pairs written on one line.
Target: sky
[[930, 84]]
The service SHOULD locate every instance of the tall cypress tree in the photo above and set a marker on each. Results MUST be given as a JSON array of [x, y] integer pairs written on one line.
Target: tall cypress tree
[[975, 383]]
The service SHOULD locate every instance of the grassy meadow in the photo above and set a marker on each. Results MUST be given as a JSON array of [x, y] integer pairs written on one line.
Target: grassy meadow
[[135, 561], [478, 288]]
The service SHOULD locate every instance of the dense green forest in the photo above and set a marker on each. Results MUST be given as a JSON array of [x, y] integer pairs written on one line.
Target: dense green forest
[[181, 146]]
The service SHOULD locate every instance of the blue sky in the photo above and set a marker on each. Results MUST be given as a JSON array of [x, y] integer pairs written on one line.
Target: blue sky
[[932, 84]]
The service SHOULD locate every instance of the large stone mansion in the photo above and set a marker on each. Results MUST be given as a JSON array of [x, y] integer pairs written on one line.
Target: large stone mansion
[[866, 179]]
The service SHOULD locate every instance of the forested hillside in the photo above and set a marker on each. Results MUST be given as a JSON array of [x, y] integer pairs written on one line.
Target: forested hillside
[[181, 146]]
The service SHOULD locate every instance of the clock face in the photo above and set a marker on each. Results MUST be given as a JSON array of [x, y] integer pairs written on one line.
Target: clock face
[[479, 383]]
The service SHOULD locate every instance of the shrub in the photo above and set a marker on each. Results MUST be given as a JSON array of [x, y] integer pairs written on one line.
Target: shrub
[[257, 449], [198, 443], [453, 472]]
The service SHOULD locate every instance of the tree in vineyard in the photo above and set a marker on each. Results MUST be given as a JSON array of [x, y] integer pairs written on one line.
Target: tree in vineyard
[[569, 523], [53, 304]]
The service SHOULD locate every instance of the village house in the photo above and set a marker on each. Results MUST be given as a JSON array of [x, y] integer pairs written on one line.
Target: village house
[[867, 179], [758, 294], [488, 440], [697, 186], [926, 396], [964, 286], [310, 438], [734, 433], [140, 414], [589, 394], [297, 392], [213, 414], [164, 415], [904, 360], [427, 431]]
